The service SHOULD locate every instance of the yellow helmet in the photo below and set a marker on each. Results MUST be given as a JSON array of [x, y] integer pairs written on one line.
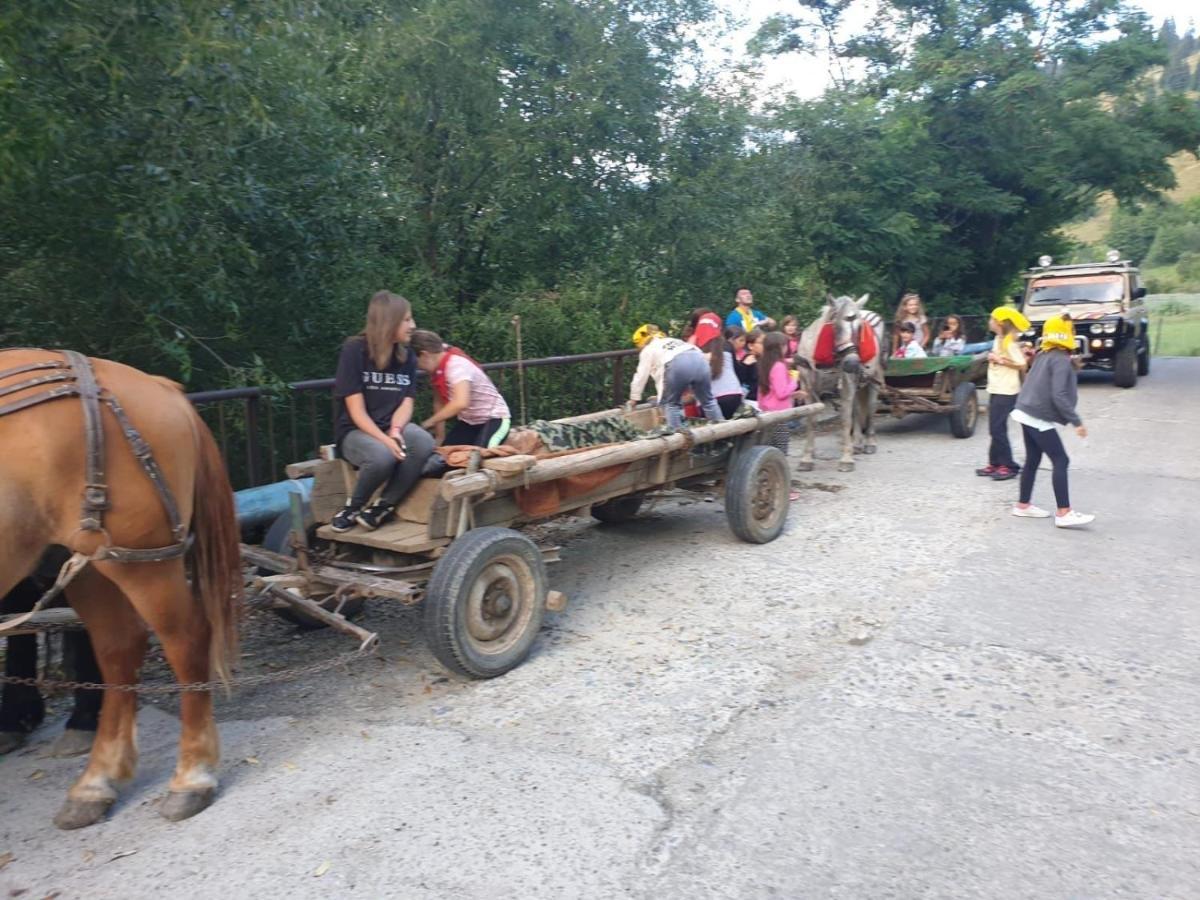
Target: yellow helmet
[[644, 334], [1058, 332], [1008, 314]]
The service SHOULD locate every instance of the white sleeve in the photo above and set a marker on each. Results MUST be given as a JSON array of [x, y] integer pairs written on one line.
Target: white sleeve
[[642, 374]]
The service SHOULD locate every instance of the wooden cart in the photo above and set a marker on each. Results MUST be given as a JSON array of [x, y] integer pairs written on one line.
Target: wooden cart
[[937, 384], [454, 544]]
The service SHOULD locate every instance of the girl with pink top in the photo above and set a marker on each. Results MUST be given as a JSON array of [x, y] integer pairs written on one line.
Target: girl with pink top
[[461, 391], [776, 390]]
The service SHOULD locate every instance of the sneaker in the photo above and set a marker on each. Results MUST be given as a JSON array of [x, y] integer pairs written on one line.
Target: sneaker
[[346, 518], [375, 515], [986, 472], [1003, 473], [1072, 520], [1031, 512]]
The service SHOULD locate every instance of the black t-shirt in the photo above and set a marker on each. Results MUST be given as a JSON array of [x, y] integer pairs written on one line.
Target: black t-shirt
[[383, 389]]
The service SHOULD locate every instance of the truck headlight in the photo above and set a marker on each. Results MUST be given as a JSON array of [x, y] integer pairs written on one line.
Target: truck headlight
[[1110, 328], [1097, 343], [1096, 329], [1108, 342]]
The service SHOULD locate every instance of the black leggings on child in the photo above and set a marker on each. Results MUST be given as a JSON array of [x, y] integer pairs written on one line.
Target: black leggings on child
[[1049, 443]]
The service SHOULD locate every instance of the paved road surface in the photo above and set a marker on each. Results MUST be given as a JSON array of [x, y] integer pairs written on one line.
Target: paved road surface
[[910, 693]]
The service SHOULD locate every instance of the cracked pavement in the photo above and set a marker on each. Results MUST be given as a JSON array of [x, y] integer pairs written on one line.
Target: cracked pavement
[[910, 693]]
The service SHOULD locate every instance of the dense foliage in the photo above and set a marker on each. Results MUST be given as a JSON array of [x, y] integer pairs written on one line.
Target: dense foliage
[[213, 189]]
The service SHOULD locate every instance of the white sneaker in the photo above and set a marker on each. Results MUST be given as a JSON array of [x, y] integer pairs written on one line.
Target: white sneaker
[[1072, 520], [1030, 512]]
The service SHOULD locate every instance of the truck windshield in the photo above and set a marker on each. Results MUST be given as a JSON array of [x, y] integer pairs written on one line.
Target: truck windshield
[[1078, 289]]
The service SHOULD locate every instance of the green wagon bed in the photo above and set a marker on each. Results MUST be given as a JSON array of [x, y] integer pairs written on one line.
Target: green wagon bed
[[935, 384]]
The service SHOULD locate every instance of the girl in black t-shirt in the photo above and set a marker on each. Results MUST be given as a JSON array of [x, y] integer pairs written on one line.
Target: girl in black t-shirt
[[375, 384]]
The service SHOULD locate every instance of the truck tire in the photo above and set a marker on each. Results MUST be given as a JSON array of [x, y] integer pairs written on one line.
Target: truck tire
[[485, 602], [756, 494], [1143, 365], [1125, 367], [276, 540], [619, 509], [966, 410]]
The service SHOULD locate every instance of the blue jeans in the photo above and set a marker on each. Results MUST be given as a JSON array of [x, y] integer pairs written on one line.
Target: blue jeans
[[689, 370]]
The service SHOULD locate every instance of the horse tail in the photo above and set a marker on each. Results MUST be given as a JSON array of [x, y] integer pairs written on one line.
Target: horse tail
[[215, 555]]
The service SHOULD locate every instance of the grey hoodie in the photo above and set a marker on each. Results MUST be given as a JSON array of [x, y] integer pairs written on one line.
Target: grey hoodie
[[1049, 391]]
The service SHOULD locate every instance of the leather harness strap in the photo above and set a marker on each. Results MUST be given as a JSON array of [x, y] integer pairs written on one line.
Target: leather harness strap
[[79, 380]]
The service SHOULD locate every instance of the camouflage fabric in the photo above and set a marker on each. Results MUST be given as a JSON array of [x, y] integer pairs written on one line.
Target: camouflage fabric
[[615, 429]]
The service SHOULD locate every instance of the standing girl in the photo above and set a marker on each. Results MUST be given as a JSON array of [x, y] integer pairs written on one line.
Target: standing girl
[[1047, 399], [707, 333], [911, 309], [375, 382], [461, 391], [776, 390], [1006, 364], [791, 329], [745, 364]]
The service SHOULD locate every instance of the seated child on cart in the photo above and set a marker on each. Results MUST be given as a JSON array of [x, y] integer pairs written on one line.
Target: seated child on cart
[[461, 391]]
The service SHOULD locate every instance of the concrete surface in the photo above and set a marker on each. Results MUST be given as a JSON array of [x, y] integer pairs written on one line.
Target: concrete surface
[[910, 693]]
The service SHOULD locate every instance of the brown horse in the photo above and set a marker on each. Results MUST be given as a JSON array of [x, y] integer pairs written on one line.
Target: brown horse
[[46, 462]]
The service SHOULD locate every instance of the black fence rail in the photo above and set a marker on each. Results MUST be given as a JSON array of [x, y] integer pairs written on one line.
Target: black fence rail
[[260, 430]]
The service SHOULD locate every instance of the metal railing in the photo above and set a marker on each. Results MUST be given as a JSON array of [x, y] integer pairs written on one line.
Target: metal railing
[[260, 430]]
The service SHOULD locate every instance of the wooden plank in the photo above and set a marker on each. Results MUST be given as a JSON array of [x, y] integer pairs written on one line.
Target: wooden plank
[[57, 617], [304, 469], [510, 465], [418, 503], [399, 537]]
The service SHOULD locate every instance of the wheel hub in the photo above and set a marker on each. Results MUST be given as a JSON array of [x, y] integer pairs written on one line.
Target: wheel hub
[[497, 601]]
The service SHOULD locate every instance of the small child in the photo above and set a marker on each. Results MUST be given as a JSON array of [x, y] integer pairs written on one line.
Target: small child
[[791, 328], [1006, 365], [950, 340], [907, 347], [461, 391], [776, 389]]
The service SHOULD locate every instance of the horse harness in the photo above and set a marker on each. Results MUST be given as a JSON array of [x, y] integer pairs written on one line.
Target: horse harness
[[73, 376]]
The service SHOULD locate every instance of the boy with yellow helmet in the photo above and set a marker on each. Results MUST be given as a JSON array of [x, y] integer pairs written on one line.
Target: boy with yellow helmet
[[1006, 364], [1048, 399], [676, 366]]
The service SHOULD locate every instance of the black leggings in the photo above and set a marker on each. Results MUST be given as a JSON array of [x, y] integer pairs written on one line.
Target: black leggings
[[729, 404], [1000, 450], [1049, 443], [482, 435]]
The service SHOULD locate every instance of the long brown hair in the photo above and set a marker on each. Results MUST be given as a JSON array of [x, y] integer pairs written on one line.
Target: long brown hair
[[386, 312], [901, 313], [425, 341], [958, 325], [774, 350]]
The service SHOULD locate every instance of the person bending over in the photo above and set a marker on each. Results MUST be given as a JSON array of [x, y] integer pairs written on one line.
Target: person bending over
[[461, 391]]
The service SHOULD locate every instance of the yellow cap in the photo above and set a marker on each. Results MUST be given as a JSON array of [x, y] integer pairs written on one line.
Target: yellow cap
[[1058, 332], [1008, 314], [644, 334]]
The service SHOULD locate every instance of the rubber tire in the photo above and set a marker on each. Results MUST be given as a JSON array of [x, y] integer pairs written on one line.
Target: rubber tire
[[449, 590], [739, 494], [276, 540], [965, 415], [1125, 367], [617, 510], [1143, 365]]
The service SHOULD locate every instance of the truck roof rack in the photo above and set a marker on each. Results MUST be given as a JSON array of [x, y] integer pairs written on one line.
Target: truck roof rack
[[1123, 265]]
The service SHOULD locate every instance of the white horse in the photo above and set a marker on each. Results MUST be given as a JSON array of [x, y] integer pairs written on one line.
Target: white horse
[[843, 375]]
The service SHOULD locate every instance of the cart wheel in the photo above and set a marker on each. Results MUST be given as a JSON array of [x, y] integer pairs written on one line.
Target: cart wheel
[[276, 540], [485, 602], [965, 413], [621, 509], [756, 494]]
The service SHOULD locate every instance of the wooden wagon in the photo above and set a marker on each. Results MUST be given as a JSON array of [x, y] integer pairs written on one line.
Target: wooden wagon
[[945, 385], [455, 545]]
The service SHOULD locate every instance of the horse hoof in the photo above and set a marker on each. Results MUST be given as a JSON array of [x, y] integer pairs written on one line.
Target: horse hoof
[[180, 805], [12, 740], [72, 742], [81, 813], [869, 449], [845, 467], [803, 466]]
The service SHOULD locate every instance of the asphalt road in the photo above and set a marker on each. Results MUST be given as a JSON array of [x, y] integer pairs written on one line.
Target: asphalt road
[[910, 693]]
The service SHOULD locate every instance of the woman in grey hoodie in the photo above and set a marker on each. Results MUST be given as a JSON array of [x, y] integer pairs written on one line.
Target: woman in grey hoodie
[[1047, 399]]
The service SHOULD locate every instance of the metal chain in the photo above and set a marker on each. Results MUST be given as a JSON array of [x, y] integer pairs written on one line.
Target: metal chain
[[198, 686]]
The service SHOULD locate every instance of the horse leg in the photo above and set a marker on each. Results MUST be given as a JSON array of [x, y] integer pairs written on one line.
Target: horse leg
[[160, 593], [870, 398], [119, 637], [21, 706], [846, 463], [806, 455], [80, 660]]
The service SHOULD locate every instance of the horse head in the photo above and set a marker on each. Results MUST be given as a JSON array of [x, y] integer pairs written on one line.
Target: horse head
[[845, 314]]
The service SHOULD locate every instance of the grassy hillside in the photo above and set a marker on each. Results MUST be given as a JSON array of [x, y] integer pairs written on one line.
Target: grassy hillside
[[1175, 324], [1093, 231]]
